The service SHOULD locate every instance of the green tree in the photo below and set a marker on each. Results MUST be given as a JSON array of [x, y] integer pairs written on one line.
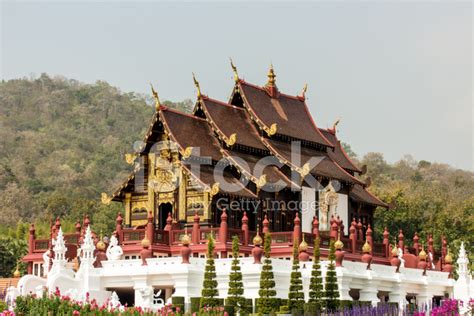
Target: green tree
[[316, 281], [11, 252], [331, 292], [267, 290], [209, 291], [295, 293], [235, 294]]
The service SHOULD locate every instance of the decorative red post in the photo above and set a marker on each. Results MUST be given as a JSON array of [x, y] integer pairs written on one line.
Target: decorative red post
[[86, 222], [360, 233], [368, 238], [185, 250], [333, 232], [223, 228], [245, 229], [169, 222], [367, 254], [257, 251], [31, 239], [386, 242], [416, 245], [265, 229], [196, 234], [430, 244], [395, 261], [448, 264], [353, 236], [315, 227], [118, 227], [296, 228], [339, 252], [303, 251], [146, 252], [422, 260], [401, 238], [150, 230]]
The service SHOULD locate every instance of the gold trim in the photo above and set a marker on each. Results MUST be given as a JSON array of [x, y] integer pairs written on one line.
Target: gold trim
[[234, 69], [271, 130], [260, 182], [130, 158], [105, 199], [196, 83], [214, 189], [187, 152], [303, 92], [230, 141], [155, 96]]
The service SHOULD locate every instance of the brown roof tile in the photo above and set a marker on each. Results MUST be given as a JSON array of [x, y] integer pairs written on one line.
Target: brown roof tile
[[338, 154], [360, 194], [289, 113]]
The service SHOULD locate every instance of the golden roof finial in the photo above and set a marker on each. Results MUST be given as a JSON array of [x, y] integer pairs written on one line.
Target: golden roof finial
[[155, 96], [196, 83], [234, 69], [336, 123], [303, 92], [271, 76]]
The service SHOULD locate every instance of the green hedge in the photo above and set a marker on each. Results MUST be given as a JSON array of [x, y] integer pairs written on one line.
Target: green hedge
[[311, 309], [195, 301], [229, 309], [175, 300]]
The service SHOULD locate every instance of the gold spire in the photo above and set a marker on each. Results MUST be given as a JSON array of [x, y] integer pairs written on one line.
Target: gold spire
[[234, 69], [271, 77], [196, 83], [303, 92], [100, 244], [145, 241], [304, 245], [422, 253], [366, 247], [17, 273], [338, 244], [448, 258], [155, 96]]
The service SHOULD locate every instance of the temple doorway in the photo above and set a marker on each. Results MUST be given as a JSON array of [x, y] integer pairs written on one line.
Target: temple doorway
[[163, 211]]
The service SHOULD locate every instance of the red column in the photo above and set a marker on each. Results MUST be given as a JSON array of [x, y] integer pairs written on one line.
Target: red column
[[245, 229], [386, 242], [360, 233], [149, 228], [416, 244], [196, 234], [316, 227], [223, 228], [296, 228], [265, 225], [31, 239], [118, 227], [368, 237], [333, 232], [353, 236], [401, 240]]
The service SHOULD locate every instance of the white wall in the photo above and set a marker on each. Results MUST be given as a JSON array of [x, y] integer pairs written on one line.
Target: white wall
[[308, 208]]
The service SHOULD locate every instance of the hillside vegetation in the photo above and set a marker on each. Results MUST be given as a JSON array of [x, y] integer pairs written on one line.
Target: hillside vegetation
[[63, 143]]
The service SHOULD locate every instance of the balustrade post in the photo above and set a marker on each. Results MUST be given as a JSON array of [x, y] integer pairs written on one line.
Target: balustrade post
[[223, 228], [265, 225], [416, 244], [296, 228], [245, 229], [169, 222], [386, 242], [401, 243], [315, 227], [150, 230], [368, 237], [196, 234], [360, 233], [353, 236], [31, 239]]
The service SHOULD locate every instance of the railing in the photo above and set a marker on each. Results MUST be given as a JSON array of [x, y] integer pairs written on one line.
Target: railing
[[132, 236]]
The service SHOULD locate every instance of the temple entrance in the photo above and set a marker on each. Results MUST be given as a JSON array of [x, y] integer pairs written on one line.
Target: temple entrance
[[163, 211]]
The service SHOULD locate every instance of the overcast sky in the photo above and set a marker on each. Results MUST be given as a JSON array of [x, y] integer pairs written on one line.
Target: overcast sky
[[399, 74]]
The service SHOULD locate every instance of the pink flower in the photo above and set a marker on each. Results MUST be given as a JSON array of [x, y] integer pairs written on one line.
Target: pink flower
[[76, 313]]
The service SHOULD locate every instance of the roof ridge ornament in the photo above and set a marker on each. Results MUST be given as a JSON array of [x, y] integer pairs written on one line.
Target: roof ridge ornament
[[196, 83], [156, 97], [271, 76], [234, 69], [303, 92], [334, 125]]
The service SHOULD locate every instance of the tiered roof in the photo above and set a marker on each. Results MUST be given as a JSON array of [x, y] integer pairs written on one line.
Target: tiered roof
[[261, 122]]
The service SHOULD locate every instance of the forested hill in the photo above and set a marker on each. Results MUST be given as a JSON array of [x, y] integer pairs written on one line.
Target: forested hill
[[63, 143]]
